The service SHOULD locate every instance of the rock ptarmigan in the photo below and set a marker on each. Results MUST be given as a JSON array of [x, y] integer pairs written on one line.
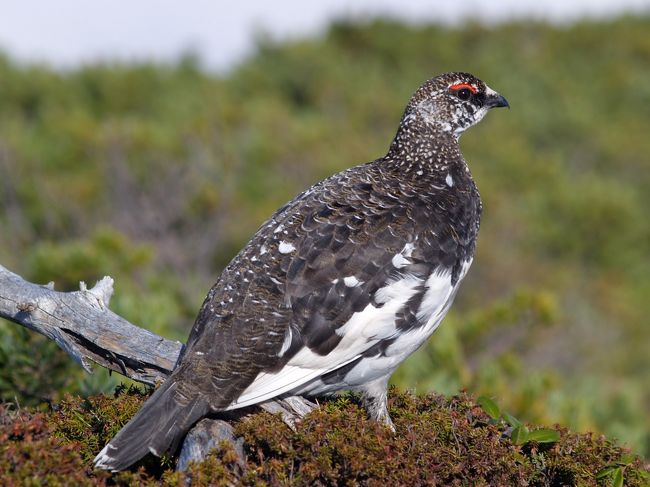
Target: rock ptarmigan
[[339, 286]]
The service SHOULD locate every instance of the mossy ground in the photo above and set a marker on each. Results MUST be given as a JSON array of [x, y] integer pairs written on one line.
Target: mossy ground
[[439, 441]]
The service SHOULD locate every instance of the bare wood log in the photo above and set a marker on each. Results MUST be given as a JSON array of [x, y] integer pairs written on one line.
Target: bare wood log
[[205, 436], [291, 409], [83, 326]]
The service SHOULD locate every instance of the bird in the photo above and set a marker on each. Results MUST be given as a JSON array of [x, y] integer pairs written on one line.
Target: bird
[[338, 287]]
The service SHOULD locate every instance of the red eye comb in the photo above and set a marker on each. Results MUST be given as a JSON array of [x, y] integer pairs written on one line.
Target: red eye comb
[[460, 86]]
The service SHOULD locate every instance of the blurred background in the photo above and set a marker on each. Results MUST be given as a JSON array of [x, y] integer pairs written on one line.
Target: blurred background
[[148, 140]]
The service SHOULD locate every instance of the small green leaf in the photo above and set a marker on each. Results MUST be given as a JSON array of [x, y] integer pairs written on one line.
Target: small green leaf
[[519, 435], [511, 420], [626, 459], [489, 406], [605, 472], [544, 435], [617, 480]]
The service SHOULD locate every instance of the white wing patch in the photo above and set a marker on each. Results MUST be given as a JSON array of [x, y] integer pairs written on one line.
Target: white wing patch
[[401, 259], [438, 292], [288, 336], [362, 330], [437, 299], [267, 385], [352, 281], [399, 290], [286, 247]]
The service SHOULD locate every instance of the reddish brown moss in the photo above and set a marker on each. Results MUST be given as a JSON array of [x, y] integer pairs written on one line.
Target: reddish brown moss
[[95, 420], [30, 454], [439, 441]]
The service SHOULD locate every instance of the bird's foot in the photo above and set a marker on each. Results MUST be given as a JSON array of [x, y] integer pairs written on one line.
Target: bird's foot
[[375, 400], [381, 416]]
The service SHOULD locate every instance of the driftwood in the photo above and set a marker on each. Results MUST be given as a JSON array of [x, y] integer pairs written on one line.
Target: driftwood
[[83, 326]]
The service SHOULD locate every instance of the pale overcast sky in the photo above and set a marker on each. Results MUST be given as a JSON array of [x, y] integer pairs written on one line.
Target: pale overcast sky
[[66, 33]]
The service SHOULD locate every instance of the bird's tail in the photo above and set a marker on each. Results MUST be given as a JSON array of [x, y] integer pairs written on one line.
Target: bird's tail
[[157, 427]]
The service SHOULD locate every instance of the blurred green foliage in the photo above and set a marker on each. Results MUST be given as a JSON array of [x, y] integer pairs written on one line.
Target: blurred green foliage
[[158, 174]]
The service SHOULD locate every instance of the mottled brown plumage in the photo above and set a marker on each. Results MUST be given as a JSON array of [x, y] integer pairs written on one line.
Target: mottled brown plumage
[[338, 286]]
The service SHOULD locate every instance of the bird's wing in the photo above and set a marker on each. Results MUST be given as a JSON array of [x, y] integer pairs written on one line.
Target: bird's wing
[[325, 280], [348, 289]]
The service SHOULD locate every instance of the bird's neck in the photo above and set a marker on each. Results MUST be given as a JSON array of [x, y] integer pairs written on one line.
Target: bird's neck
[[420, 147]]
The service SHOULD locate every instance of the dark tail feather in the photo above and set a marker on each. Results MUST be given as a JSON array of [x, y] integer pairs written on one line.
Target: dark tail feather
[[158, 427]]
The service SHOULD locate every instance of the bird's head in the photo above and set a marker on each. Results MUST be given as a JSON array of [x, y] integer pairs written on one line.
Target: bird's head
[[453, 102]]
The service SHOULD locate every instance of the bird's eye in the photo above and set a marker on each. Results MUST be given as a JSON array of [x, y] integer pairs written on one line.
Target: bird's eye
[[464, 94]]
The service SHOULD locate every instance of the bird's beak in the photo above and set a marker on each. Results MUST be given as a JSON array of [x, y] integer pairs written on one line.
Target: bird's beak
[[494, 100]]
